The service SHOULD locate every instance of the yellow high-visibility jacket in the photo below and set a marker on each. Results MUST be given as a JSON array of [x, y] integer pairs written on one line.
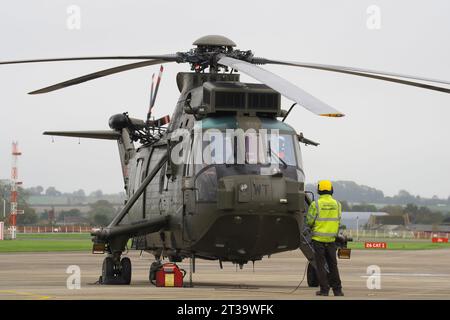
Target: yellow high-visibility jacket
[[325, 221]]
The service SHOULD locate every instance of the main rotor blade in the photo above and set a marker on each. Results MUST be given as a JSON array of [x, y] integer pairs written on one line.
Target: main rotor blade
[[283, 86], [165, 57], [97, 75], [380, 75]]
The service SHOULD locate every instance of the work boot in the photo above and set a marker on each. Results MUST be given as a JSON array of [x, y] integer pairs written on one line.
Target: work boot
[[322, 293], [338, 293]]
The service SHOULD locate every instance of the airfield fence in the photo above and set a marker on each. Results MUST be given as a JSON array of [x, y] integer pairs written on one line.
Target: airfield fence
[[361, 234], [54, 229], [384, 234]]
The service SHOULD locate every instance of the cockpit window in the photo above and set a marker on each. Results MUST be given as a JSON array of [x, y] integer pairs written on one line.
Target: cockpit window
[[250, 154], [218, 148], [282, 150]]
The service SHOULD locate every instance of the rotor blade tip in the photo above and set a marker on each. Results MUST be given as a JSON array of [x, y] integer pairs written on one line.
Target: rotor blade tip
[[39, 91], [333, 115]]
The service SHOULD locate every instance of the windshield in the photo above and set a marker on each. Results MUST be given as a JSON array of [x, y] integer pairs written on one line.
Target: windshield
[[248, 148], [217, 155]]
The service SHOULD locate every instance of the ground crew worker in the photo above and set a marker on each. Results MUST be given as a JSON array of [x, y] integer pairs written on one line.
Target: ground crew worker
[[324, 217]]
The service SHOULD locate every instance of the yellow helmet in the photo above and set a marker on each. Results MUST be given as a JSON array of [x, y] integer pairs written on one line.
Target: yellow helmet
[[325, 186]]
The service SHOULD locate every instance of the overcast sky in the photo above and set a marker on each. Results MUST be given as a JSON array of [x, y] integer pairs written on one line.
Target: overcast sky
[[392, 137]]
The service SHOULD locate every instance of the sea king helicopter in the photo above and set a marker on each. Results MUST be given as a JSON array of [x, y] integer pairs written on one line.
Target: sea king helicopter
[[234, 206]]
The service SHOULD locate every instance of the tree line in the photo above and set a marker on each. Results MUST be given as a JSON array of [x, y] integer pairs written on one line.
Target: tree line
[[360, 198], [417, 214], [100, 212], [352, 192]]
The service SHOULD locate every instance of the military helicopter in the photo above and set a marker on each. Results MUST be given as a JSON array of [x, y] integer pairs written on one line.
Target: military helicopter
[[228, 211]]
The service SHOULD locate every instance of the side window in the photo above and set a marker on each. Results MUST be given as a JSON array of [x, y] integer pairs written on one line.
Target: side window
[[206, 185], [298, 151], [153, 189], [157, 154]]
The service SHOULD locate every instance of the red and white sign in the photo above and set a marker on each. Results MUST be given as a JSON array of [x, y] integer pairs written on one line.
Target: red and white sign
[[439, 240], [375, 245]]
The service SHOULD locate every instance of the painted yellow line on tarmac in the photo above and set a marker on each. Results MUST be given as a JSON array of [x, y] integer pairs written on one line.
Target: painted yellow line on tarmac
[[28, 294]]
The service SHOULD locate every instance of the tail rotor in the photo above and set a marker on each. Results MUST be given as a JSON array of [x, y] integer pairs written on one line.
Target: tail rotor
[[153, 93], [149, 113]]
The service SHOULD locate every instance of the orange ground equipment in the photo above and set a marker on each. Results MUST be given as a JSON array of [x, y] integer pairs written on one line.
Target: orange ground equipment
[[170, 275]]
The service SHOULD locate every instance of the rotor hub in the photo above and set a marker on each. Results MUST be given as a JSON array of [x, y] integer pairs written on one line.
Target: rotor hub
[[209, 50], [214, 41]]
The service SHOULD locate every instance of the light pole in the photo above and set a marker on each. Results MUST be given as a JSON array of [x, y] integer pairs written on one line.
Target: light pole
[[357, 228]]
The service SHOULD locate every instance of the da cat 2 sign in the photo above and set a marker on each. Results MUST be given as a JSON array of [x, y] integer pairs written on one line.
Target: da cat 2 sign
[[375, 245], [439, 240]]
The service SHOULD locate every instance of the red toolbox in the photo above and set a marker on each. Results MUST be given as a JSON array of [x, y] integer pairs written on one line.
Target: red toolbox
[[169, 275]]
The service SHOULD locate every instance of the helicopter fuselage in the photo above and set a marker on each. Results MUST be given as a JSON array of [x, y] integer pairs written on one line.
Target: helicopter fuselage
[[221, 208]]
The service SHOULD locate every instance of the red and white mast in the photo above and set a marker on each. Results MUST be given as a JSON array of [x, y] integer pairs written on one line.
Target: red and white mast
[[14, 186]]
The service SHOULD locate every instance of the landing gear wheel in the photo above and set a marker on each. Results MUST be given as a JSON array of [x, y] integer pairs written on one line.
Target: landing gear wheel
[[125, 264], [311, 276], [113, 273], [107, 270], [153, 268]]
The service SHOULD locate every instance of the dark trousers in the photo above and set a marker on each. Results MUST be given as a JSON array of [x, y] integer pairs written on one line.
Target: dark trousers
[[326, 253]]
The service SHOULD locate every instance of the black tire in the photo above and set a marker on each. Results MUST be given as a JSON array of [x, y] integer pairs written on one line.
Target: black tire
[[107, 270], [125, 265], [311, 276]]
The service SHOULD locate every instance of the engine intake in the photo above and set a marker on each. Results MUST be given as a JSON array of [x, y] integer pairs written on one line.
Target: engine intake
[[242, 98]]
